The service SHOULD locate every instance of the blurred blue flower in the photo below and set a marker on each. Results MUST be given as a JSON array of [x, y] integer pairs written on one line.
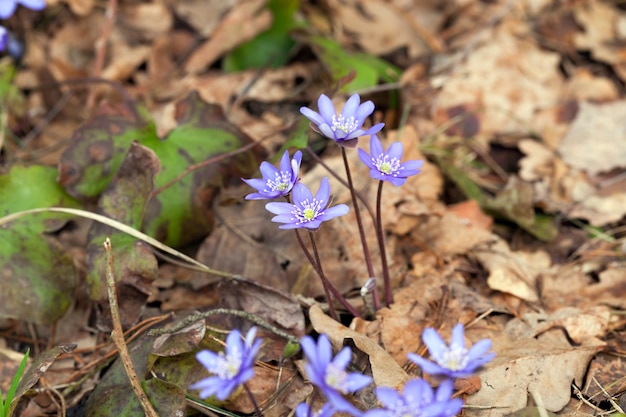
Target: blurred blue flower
[[276, 182], [7, 7], [454, 361], [330, 376], [306, 211], [385, 165], [231, 368], [417, 400], [345, 127], [4, 38], [303, 410]]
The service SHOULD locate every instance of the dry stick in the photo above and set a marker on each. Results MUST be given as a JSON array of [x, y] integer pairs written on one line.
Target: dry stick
[[101, 45], [118, 336], [381, 246], [359, 221]]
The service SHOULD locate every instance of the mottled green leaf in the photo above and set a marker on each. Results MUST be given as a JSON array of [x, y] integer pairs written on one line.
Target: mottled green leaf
[[97, 150], [38, 277], [135, 266]]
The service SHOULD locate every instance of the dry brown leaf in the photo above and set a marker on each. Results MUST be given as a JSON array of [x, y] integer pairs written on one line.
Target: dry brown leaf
[[450, 235], [603, 27], [203, 16], [395, 28], [582, 326], [243, 22], [596, 141], [508, 77], [511, 272], [385, 371], [525, 365]]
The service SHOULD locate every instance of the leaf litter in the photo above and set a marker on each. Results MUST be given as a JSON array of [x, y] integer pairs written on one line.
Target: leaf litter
[[514, 227]]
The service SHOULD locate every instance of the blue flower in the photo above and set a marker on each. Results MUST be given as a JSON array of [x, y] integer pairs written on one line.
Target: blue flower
[[303, 410], [306, 211], [454, 361], [345, 127], [330, 376], [385, 165], [276, 182], [4, 38], [417, 400], [230, 369], [7, 7]]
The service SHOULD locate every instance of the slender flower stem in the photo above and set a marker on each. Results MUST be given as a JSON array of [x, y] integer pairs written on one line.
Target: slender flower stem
[[341, 180], [316, 266], [357, 213], [257, 410], [331, 287], [381, 245]]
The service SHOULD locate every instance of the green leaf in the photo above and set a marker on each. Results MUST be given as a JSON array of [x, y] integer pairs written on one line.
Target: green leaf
[[182, 213], [39, 277], [97, 150], [270, 48], [369, 70]]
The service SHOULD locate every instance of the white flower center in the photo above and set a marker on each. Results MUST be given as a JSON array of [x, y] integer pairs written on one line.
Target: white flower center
[[346, 125], [308, 211], [336, 378], [454, 358], [229, 366], [280, 182], [386, 165]]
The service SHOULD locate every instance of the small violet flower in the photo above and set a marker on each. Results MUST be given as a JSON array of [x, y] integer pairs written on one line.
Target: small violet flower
[[7, 7], [454, 361], [330, 376], [276, 182], [385, 165], [306, 211], [303, 410], [417, 400], [231, 368], [4, 38], [345, 127]]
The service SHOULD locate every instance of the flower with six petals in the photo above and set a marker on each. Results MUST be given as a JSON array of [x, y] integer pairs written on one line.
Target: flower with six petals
[[344, 127], [454, 361], [386, 165], [330, 376], [231, 368], [306, 211], [276, 182], [417, 400]]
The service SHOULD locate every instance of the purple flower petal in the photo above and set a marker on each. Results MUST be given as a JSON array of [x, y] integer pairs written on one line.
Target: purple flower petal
[[7, 8], [313, 116], [364, 111], [365, 158], [351, 106], [326, 108], [279, 208], [33, 4]]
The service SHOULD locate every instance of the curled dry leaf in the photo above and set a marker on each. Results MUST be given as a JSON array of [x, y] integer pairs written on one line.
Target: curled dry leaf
[[385, 371]]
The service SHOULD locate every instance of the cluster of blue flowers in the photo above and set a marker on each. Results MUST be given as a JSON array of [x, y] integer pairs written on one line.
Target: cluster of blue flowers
[[302, 210], [234, 367], [7, 8]]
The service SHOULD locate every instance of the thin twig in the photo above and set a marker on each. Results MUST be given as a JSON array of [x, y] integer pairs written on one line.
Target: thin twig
[[118, 336]]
